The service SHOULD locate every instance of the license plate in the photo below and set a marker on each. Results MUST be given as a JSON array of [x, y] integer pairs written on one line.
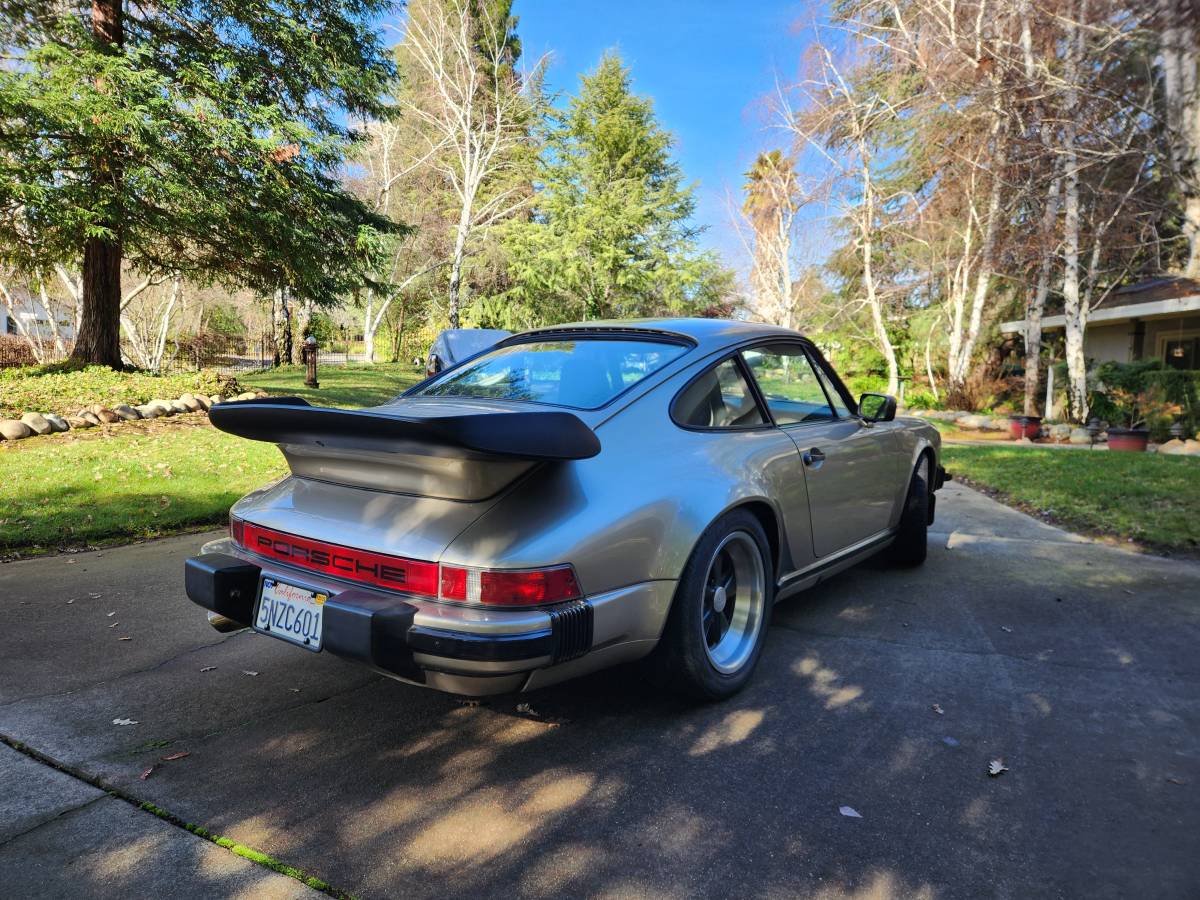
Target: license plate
[[291, 613]]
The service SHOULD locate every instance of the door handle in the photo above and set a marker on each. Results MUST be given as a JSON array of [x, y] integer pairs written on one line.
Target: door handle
[[813, 458]]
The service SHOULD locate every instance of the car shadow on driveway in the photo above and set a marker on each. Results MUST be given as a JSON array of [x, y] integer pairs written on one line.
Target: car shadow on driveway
[[855, 763]]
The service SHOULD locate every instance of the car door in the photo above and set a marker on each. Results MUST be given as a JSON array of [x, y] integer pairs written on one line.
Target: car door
[[721, 401], [849, 465]]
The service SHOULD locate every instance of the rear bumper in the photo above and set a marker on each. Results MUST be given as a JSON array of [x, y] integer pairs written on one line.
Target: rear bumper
[[460, 649]]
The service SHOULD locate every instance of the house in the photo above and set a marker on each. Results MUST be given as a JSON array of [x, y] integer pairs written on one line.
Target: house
[[1154, 319], [34, 317]]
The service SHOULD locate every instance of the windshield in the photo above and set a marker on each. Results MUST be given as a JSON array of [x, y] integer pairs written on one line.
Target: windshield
[[580, 373]]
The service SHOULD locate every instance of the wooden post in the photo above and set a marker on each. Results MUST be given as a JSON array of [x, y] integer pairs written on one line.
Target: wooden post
[[1049, 391]]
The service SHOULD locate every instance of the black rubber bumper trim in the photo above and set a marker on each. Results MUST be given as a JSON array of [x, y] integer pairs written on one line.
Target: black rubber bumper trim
[[223, 584], [378, 630], [572, 626], [479, 647]]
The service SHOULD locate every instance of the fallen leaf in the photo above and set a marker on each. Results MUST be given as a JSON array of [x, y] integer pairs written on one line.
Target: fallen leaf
[[1129, 592], [248, 672], [527, 709], [174, 756], [114, 624], [124, 639], [1175, 780], [113, 613], [125, 722], [146, 774], [937, 708], [1006, 629], [294, 690], [208, 668], [996, 766], [949, 741], [850, 812]]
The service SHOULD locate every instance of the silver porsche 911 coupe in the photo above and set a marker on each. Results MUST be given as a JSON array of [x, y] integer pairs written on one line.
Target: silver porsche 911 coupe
[[576, 497]]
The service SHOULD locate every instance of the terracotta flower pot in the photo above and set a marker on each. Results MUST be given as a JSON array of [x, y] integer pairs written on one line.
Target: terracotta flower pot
[[1129, 440], [1024, 427]]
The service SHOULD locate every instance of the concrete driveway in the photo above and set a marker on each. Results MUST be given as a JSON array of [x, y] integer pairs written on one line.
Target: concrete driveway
[[1077, 664]]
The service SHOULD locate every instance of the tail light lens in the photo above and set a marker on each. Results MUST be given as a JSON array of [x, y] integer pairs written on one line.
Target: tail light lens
[[457, 584], [490, 587]]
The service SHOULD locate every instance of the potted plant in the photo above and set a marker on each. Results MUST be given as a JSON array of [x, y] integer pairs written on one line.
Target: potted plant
[[1024, 426], [1137, 408]]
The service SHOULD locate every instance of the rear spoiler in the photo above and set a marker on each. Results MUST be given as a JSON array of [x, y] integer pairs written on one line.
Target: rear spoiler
[[542, 435]]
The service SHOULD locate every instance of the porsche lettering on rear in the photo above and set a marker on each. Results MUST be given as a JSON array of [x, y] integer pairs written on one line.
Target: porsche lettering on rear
[[574, 498]]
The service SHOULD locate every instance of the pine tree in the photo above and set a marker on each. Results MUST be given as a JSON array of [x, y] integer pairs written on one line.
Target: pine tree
[[611, 233], [197, 137]]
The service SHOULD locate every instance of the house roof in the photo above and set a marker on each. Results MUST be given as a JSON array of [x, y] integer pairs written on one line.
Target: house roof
[[1165, 295]]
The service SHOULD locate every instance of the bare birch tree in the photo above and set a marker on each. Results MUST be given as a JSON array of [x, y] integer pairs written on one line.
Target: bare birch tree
[[828, 113], [472, 117], [1178, 24]]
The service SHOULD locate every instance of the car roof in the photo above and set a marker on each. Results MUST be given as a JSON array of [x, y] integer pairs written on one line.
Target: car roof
[[709, 334]]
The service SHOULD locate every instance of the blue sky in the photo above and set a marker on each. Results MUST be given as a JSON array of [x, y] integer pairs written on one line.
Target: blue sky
[[706, 63]]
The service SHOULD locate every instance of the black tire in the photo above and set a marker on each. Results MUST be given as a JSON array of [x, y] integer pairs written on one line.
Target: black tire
[[685, 659], [912, 540]]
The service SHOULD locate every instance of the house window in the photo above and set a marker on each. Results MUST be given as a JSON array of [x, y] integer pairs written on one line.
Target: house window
[[1182, 353]]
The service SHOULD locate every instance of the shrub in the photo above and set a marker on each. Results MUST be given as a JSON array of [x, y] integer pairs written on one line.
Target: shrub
[[62, 389], [866, 382], [1174, 393], [979, 392], [919, 398]]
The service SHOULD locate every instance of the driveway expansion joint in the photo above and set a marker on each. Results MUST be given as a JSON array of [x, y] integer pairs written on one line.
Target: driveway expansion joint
[[52, 818], [248, 853]]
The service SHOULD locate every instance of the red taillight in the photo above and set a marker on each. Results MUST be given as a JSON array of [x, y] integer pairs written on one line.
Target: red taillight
[[500, 588], [453, 583]]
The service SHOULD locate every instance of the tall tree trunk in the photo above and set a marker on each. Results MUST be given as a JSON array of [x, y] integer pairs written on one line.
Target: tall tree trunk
[[369, 328], [1074, 309], [1180, 61], [866, 224], [99, 338], [1037, 303], [456, 263]]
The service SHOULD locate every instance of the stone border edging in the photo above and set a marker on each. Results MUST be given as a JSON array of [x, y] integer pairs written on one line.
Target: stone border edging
[[34, 424]]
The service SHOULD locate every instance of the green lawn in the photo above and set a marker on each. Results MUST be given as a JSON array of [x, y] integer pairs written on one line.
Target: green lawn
[[352, 385], [157, 477], [1153, 499]]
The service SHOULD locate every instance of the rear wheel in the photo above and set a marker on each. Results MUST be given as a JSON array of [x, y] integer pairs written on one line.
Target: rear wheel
[[912, 538], [718, 621]]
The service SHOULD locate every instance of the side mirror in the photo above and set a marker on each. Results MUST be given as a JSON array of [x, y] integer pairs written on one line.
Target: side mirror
[[877, 407]]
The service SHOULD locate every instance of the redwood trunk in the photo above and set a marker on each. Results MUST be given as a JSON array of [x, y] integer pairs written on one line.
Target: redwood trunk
[[99, 338]]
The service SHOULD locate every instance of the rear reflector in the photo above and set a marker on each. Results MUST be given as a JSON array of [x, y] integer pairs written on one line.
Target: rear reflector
[[393, 572], [500, 588], [455, 584]]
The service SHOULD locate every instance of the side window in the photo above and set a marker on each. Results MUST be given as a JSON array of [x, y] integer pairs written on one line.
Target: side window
[[789, 384], [838, 403], [720, 398]]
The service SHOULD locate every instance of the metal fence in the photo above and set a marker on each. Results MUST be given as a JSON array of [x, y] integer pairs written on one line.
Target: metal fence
[[228, 354]]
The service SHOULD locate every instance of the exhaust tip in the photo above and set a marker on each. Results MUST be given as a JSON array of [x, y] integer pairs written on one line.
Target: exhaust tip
[[224, 624]]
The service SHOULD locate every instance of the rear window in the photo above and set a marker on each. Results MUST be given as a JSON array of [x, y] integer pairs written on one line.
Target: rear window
[[581, 373]]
